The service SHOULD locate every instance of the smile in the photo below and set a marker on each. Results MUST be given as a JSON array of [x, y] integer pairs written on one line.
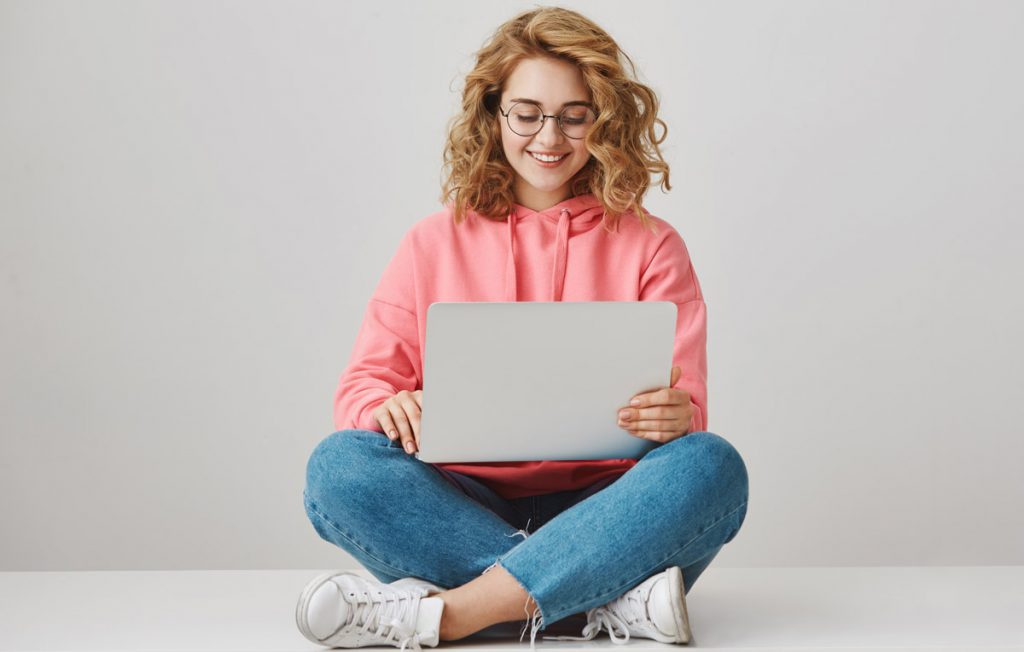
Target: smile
[[544, 159]]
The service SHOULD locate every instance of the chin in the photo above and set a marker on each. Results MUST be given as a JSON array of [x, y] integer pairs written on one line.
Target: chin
[[548, 185]]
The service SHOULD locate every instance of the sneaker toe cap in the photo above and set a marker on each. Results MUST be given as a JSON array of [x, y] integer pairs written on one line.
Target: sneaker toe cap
[[327, 610], [661, 608]]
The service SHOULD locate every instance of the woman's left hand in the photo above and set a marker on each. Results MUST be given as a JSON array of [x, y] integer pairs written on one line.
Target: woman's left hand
[[661, 415]]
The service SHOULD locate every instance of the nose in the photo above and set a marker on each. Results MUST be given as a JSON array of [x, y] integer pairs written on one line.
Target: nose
[[549, 133]]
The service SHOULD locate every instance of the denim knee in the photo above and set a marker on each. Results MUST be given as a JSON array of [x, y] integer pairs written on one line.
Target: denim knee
[[721, 458], [335, 462]]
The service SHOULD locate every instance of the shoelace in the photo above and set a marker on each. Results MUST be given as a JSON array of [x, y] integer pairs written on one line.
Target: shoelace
[[393, 613], [627, 609]]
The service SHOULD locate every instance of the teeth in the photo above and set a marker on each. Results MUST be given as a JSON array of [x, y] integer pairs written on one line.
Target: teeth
[[547, 159]]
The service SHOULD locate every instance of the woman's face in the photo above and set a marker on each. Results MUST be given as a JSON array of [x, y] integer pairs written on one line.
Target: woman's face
[[551, 84]]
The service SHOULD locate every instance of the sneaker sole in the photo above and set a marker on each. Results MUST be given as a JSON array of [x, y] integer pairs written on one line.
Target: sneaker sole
[[678, 592], [302, 608]]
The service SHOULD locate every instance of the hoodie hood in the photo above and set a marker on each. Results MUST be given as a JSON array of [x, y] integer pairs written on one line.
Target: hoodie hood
[[572, 216]]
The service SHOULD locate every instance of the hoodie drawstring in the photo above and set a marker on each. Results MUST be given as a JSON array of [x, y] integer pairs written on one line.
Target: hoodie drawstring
[[561, 247], [558, 266], [510, 269]]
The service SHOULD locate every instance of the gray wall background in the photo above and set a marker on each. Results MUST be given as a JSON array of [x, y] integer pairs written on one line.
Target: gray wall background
[[197, 199]]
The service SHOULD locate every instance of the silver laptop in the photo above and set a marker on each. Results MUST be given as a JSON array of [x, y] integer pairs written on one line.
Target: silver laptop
[[522, 381]]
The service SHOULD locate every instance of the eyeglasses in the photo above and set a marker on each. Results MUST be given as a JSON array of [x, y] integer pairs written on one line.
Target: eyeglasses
[[527, 119]]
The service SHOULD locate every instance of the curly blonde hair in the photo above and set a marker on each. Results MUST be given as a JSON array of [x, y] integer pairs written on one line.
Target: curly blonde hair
[[622, 141]]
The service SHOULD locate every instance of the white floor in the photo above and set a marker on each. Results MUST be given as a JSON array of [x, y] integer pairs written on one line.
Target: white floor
[[768, 609]]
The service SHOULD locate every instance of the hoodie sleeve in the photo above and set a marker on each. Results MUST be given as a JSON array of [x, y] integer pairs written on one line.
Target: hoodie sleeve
[[385, 358], [670, 277]]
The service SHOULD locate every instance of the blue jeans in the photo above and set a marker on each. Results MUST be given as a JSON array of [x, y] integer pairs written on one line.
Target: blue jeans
[[401, 517]]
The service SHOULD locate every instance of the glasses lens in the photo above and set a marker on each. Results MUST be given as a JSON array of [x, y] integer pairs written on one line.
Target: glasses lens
[[525, 119], [577, 120]]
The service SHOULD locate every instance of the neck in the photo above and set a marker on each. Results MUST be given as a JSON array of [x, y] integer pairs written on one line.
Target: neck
[[538, 200]]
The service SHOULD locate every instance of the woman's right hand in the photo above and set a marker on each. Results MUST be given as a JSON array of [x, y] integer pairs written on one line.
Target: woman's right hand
[[399, 416]]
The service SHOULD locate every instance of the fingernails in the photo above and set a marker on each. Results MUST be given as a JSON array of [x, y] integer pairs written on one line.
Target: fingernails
[[635, 401], [408, 447], [392, 435], [624, 414]]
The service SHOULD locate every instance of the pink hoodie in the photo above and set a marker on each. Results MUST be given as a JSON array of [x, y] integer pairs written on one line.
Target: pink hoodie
[[562, 253]]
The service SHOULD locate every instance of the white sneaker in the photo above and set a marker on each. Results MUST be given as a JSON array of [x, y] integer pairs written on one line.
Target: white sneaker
[[655, 608], [340, 609]]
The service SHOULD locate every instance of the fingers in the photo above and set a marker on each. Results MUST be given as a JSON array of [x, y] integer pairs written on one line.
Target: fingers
[[404, 427], [650, 418], [657, 435], [413, 414], [668, 423], [399, 416], [667, 396], [658, 416], [652, 412], [663, 396], [656, 430], [416, 418], [383, 417]]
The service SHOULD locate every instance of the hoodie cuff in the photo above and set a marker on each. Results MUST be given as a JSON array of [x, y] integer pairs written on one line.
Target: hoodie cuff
[[366, 420], [696, 421]]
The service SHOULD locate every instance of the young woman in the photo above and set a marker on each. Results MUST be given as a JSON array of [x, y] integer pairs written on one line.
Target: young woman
[[553, 141]]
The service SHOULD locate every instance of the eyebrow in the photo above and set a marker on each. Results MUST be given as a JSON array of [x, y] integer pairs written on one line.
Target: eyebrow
[[573, 103]]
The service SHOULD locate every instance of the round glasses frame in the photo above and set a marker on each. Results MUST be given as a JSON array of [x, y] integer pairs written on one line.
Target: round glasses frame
[[543, 118]]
